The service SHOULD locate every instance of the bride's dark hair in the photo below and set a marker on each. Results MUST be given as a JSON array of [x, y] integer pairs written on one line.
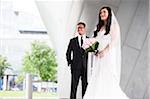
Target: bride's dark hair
[[101, 22]]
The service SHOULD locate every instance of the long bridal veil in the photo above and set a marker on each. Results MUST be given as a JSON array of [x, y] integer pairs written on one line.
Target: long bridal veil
[[116, 45]]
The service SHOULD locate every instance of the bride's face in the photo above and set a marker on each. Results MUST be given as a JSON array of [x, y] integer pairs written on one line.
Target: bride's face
[[104, 14]]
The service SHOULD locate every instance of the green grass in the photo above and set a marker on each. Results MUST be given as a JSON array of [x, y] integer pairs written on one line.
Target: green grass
[[22, 93]]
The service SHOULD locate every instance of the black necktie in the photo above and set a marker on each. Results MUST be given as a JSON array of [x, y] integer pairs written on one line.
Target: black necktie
[[81, 40]]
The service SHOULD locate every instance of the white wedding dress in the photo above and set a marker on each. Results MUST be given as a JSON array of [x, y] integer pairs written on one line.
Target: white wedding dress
[[105, 78]]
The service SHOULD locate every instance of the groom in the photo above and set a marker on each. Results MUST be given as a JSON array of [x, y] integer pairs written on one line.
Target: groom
[[77, 61]]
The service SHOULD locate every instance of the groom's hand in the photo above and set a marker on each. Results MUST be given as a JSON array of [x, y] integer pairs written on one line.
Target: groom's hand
[[69, 62]]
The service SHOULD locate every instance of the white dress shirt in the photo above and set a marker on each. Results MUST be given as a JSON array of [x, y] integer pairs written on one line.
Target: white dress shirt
[[79, 39]]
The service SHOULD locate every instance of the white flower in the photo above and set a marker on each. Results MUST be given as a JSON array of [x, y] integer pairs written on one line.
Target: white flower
[[88, 42]]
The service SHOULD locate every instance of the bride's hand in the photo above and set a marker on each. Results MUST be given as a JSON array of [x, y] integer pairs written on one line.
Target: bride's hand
[[101, 54]]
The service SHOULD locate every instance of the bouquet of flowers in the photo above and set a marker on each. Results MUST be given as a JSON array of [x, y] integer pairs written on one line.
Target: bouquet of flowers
[[90, 45]]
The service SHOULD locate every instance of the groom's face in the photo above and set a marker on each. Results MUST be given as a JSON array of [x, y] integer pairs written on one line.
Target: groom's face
[[81, 29]]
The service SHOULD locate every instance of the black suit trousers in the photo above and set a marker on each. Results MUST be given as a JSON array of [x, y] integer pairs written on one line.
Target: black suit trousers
[[75, 76]]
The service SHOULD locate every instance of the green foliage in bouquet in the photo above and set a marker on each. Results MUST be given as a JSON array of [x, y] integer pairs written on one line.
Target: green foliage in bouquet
[[92, 48]]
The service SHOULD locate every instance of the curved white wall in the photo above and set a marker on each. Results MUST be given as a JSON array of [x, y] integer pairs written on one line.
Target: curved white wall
[[60, 19]]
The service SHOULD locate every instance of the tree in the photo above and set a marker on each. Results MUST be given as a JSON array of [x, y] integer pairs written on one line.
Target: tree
[[41, 61], [3, 65]]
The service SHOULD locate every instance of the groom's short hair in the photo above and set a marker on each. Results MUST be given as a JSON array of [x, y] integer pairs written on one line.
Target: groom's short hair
[[82, 23]]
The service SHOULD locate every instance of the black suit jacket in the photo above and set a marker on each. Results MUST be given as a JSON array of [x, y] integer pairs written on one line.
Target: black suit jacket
[[79, 59]]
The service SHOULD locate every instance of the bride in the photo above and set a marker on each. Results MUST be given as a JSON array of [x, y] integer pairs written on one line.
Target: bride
[[104, 82]]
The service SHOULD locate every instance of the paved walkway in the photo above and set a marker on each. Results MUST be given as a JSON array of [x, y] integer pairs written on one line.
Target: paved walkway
[[32, 98]]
